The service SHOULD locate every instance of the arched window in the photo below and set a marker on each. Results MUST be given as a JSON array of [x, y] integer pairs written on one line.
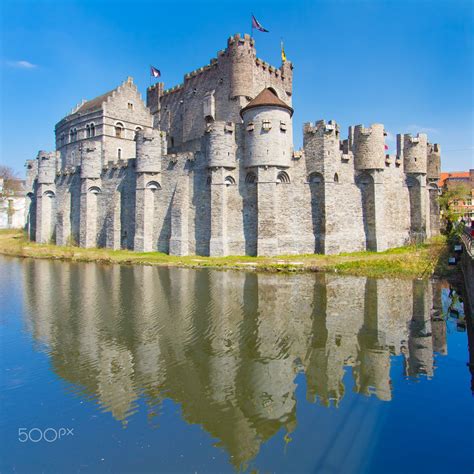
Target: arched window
[[251, 178], [119, 153], [336, 178], [63, 139], [92, 129], [119, 129], [88, 131], [49, 194], [71, 135], [229, 180], [75, 134], [153, 185], [94, 190], [282, 177], [137, 129], [315, 178]]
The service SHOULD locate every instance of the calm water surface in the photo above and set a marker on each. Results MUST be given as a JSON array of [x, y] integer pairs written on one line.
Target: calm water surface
[[176, 370]]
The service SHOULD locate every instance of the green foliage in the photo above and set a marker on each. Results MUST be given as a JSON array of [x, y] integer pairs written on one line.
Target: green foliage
[[446, 203]]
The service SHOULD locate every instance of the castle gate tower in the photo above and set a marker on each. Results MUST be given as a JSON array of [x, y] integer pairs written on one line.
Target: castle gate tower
[[268, 150]]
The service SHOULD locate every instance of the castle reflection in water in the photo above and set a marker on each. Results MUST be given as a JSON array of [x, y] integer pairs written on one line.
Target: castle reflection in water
[[227, 346]]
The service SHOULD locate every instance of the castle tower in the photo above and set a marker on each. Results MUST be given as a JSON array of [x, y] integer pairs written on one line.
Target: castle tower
[[373, 371], [241, 51], [153, 97], [368, 145], [30, 191], [150, 146], [221, 149], [413, 151], [321, 146], [268, 149], [420, 341], [432, 177], [46, 197], [91, 190]]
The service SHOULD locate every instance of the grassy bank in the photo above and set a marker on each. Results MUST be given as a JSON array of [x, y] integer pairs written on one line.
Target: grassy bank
[[411, 261]]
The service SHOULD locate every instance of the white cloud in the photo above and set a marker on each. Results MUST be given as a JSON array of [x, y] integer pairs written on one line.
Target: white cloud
[[420, 129], [22, 64]]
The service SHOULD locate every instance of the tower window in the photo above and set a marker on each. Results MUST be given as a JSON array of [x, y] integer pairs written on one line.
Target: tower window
[[130, 106], [336, 178], [119, 153], [283, 177], [92, 130], [119, 130], [229, 180], [88, 131], [251, 178], [137, 129]]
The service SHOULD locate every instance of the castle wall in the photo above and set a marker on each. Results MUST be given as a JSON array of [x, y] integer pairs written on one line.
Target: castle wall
[[208, 182]]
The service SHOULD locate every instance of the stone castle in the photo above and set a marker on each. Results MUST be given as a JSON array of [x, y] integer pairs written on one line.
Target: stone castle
[[208, 167]]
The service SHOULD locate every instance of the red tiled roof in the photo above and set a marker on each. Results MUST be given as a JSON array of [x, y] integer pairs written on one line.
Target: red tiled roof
[[266, 97], [452, 174]]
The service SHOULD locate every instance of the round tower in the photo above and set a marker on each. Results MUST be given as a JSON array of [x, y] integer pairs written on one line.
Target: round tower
[[268, 131], [415, 151], [46, 167], [221, 144], [369, 147], [241, 52], [149, 148], [434, 162], [91, 161]]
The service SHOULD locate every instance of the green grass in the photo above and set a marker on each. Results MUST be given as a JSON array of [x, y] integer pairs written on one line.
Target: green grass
[[410, 261]]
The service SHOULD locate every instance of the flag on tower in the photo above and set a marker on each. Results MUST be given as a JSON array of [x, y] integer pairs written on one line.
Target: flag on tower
[[283, 55], [386, 147], [258, 26], [155, 72]]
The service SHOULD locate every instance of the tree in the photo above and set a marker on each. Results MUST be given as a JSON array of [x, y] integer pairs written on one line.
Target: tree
[[11, 182], [447, 200]]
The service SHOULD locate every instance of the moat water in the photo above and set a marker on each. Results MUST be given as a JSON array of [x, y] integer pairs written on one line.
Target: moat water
[[142, 369]]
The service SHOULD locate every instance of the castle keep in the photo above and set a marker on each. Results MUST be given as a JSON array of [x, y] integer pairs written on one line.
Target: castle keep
[[208, 167]]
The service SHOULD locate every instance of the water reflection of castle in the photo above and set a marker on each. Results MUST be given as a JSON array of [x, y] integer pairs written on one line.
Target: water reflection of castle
[[227, 346]]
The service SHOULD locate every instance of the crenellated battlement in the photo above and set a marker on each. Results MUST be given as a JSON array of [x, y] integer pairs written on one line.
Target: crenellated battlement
[[239, 39], [150, 146], [221, 144], [47, 165], [369, 147], [433, 161], [91, 161], [414, 152]]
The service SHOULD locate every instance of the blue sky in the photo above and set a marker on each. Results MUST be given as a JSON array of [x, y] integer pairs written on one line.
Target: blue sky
[[407, 64]]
